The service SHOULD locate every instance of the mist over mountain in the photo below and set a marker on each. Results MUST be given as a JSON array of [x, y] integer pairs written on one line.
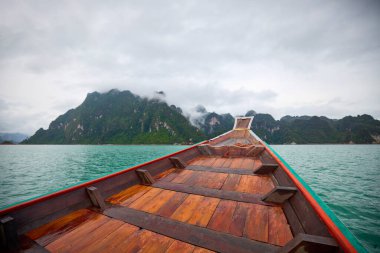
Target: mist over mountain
[[121, 117]]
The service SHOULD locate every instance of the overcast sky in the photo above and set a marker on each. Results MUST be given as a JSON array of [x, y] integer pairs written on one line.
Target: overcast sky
[[277, 57]]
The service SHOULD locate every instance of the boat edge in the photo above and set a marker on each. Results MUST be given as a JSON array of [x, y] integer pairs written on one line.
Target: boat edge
[[336, 227]]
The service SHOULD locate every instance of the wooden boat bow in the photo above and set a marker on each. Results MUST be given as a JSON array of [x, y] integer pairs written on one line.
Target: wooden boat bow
[[232, 193]]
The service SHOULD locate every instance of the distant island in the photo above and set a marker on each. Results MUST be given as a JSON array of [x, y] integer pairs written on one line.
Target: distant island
[[121, 117], [12, 138]]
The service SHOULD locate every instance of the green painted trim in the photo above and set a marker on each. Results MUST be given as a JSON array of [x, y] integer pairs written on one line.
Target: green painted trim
[[346, 232]]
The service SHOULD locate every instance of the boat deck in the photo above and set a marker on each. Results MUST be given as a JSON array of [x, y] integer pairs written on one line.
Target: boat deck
[[228, 194], [173, 198]]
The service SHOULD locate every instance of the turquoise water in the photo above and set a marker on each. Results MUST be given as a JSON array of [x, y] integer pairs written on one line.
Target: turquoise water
[[346, 177], [31, 170]]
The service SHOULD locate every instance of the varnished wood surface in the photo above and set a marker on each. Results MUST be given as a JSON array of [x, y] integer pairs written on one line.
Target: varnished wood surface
[[100, 233], [201, 200]]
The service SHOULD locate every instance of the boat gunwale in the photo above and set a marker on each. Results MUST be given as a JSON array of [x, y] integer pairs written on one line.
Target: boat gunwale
[[48, 196], [308, 193]]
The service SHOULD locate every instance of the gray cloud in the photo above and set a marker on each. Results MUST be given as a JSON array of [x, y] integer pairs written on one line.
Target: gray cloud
[[292, 57]]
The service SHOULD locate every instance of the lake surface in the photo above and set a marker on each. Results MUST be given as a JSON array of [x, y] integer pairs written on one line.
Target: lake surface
[[346, 177]]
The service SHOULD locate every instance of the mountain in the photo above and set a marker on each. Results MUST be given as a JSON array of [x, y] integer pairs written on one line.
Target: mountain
[[302, 129], [12, 137], [211, 123], [312, 129], [119, 117]]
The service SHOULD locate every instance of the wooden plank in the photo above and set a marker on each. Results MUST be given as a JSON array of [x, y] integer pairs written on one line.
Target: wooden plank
[[172, 204], [145, 199], [164, 174], [239, 218], [135, 242], [197, 161], [182, 247], [133, 191], [203, 160], [36, 215], [209, 161], [236, 163], [295, 224], [282, 178], [158, 201], [247, 164], [231, 182], [55, 229], [202, 215], [79, 244], [310, 221], [249, 184], [256, 227], [222, 216], [266, 184], [220, 170], [227, 195], [210, 180], [156, 244], [257, 164], [169, 177], [199, 236], [79, 233], [299, 212], [183, 176], [110, 242], [219, 162], [134, 197], [187, 208], [227, 163], [279, 230]]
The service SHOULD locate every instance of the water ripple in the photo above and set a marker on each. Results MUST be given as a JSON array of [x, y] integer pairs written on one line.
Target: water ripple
[[347, 178]]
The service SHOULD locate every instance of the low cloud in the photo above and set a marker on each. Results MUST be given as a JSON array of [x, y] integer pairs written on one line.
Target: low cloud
[[230, 56]]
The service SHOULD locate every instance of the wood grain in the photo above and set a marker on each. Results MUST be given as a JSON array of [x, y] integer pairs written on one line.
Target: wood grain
[[110, 242], [239, 218], [128, 195], [145, 199], [158, 201], [53, 230], [204, 212], [182, 247], [222, 217], [256, 227], [172, 204], [231, 183], [279, 230], [187, 208]]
